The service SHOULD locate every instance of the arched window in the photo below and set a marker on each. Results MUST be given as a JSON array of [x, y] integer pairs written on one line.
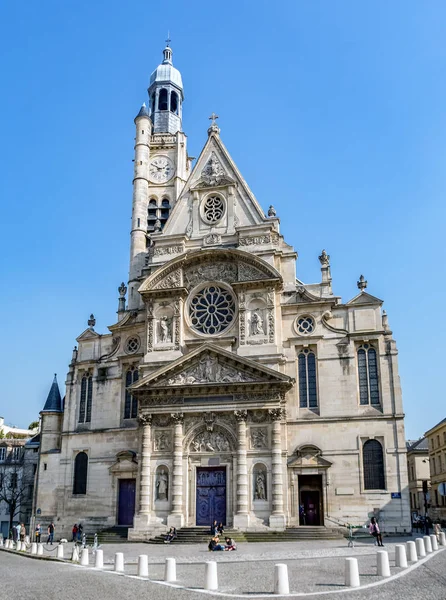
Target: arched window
[[174, 102], [80, 473], [152, 103], [307, 379], [373, 463], [368, 375], [165, 209], [131, 403], [86, 398], [162, 100]]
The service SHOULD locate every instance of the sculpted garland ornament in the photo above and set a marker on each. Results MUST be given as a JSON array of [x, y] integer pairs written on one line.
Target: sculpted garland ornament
[[212, 310]]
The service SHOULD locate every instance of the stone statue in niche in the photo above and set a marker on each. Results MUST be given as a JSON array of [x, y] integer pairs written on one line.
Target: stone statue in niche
[[260, 486], [258, 439], [161, 441], [257, 327], [162, 484], [165, 330]]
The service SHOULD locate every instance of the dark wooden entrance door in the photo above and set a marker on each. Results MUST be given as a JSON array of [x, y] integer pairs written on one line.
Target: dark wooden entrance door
[[311, 503], [310, 500], [126, 501], [211, 495]]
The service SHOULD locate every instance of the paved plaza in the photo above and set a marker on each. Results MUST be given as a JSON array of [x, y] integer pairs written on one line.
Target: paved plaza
[[315, 568]]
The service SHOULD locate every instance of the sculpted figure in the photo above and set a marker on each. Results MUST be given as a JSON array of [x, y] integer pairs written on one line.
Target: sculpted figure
[[258, 438], [260, 493], [257, 324], [165, 330], [161, 485]]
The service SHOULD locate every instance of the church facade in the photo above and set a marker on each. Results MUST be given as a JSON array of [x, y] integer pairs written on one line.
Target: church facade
[[227, 389]]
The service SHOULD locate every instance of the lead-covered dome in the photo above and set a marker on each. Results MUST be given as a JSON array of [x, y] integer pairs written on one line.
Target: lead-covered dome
[[166, 72]]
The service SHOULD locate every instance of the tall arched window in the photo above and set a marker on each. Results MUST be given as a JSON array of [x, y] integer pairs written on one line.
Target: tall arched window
[[174, 102], [131, 403], [368, 375], [86, 398], [373, 463], [162, 100], [80, 473], [307, 379]]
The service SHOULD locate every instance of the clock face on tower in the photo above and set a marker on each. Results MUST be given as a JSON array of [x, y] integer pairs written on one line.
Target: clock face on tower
[[161, 169]]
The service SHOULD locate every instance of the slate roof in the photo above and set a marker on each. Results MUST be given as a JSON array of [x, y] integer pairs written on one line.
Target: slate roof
[[54, 401], [421, 444], [143, 111]]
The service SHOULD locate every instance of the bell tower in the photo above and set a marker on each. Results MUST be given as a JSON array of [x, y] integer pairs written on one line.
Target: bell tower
[[166, 95]]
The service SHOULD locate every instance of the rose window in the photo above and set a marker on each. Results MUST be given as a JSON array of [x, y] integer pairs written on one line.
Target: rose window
[[305, 325], [213, 209], [212, 310]]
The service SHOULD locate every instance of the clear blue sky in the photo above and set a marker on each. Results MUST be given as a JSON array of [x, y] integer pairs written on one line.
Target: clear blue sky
[[335, 112]]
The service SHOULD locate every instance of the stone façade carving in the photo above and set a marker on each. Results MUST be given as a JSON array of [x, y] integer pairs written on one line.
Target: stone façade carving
[[162, 484], [213, 172], [210, 271], [212, 239], [260, 240], [210, 441], [161, 420], [167, 250], [161, 400], [209, 370], [248, 272], [172, 280], [165, 330], [258, 416], [144, 419], [260, 397], [162, 440], [260, 483], [259, 438]]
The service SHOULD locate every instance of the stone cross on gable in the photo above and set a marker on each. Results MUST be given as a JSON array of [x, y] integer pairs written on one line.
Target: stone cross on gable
[[213, 118]]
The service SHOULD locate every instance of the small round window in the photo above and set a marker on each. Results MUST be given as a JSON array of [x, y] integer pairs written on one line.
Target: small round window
[[132, 345], [213, 209], [212, 310], [305, 325]]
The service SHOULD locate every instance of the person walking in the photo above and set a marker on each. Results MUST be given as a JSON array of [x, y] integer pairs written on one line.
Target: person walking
[[374, 530], [14, 533], [18, 528], [80, 529], [51, 529], [74, 532], [38, 532], [22, 532]]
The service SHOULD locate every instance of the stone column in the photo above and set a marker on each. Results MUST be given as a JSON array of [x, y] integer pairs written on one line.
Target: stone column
[[176, 517], [241, 518], [277, 518], [144, 481]]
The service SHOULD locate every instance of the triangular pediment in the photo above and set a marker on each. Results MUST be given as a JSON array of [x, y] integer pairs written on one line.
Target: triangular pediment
[[364, 298], [214, 172], [88, 334], [309, 457], [211, 366]]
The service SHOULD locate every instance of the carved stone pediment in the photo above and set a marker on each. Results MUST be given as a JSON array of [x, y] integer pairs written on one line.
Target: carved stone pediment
[[213, 173], [210, 365], [309, 457], [125, 463]]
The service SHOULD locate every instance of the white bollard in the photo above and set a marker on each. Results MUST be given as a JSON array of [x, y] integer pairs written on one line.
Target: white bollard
[[281, 584], [59, 551], [412, 552], [33, 548], [210, 575], [352, 572], [75, 554], [400, 556], [427, 544], [170, 570], [382, 563], [442, 538], [22, 547], [434, 542], [2, 544], [39, 549], [143, 565], [99, 559], [84, 557], [119, 562], [421, 550], [7, 544]]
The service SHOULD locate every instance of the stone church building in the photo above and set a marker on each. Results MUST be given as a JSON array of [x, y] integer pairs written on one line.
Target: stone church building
[[227, 389]]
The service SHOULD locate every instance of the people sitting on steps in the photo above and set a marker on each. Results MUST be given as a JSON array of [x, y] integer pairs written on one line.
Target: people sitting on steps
[[171, 535]]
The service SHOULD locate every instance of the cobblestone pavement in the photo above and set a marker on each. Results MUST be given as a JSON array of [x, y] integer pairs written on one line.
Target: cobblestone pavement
[[321, 570]]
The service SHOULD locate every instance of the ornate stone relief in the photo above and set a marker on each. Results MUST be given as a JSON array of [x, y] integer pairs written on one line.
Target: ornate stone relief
[[172, 280], [271, 317], [241, 415], [248, 272], [167, 250], [149, 326], [145, 419], [177, 417], [161, 400], [161, 420], [213, 172], [259, 483], [162, 440], [259, 438], [212, 239], [210, 441], [209, 370], [211, 271], [259, 240], [258, 416], [162, 484], [277, 414], [260, 397]]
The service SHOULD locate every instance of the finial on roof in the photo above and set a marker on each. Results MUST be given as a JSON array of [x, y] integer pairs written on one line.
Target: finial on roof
[[214, 128], [272, 211], [362, 283], [91, 321], [324, 259], [168, 39], [143, 111], [167, 52], [385, 321], [122, 289]]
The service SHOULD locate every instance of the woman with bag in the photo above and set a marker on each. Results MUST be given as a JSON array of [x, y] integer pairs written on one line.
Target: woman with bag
[[374, 530]]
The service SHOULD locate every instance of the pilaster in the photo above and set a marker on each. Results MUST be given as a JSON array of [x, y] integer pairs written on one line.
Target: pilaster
[[277, 519], [176, 517], [241, 518]]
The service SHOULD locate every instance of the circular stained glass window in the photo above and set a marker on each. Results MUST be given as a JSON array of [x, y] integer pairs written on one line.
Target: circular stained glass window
[[213, 209], [132, 345], [305, 325], [212, 310]]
